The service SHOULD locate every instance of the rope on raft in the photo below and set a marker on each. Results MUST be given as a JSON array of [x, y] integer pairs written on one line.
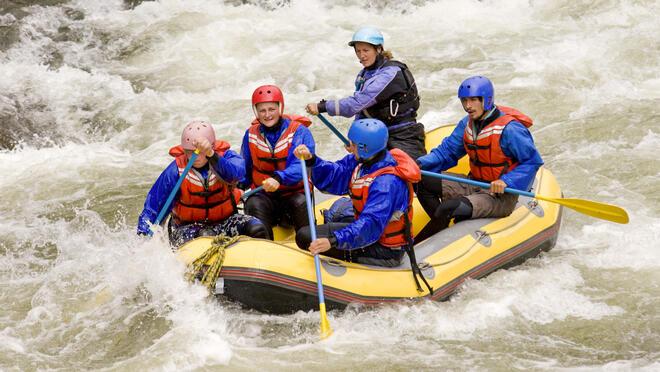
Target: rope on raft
[[217, 248]]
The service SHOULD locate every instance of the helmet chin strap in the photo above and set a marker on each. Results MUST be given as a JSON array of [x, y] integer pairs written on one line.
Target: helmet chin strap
[[371, 160], [488, 114]]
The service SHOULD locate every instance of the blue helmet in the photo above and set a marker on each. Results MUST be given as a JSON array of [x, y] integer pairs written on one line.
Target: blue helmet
[[478, 86], [369, 35], [370, 136]]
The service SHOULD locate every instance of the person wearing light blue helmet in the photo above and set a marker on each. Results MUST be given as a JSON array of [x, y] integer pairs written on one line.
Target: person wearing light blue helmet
[[501, 151], [379, 182], [369, 35], [385, 89]]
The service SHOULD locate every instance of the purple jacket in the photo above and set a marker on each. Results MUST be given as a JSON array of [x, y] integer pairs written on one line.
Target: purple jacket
[[376, 86]]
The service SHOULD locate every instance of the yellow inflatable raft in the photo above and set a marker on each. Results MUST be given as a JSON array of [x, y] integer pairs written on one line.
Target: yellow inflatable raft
[[278, 277]]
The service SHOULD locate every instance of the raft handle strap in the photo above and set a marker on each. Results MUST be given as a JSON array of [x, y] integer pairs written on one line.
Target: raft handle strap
[[210, 276], [414, 267]]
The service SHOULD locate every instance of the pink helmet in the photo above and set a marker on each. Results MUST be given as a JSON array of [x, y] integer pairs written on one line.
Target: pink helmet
[[194, 130]]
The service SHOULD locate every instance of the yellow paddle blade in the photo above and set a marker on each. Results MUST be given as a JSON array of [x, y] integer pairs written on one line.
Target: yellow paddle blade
[[325, 324], [591, 208]]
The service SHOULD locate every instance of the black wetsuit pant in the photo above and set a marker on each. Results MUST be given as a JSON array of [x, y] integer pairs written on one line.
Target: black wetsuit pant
[[274, 210], [373, 254], [409, 138]]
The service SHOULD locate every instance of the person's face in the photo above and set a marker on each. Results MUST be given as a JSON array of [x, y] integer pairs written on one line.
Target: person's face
[[473, 106], [366, 53], [353, 149], [268, 113], [200, 160]]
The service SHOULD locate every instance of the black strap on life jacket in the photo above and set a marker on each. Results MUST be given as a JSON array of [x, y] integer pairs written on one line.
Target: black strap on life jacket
[[206, 194], [493, 165], [477, 162], [352, 196], [206, 205], [411, 254], [268, 173], [234, 206], [400, 107], [272, 160]]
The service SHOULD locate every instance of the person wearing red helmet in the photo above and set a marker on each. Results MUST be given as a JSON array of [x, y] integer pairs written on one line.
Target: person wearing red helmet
[[269, 161], [205, 204]]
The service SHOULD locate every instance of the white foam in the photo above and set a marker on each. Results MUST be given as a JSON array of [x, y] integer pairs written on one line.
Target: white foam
[[111, 96]]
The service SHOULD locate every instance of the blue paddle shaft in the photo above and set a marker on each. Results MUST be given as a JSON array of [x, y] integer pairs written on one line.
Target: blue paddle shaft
[[175, 189], [432, 174], [333, 129], [475, 183], [312, 228], [249, 193]]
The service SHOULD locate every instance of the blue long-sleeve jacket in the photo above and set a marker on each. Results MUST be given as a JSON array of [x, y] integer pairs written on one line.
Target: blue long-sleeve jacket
[[516, 142], [387, 194], [373, 85], [292, 174], [230, 167]]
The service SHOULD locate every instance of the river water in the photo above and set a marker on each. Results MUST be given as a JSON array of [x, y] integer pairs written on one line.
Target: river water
[[94, 93]]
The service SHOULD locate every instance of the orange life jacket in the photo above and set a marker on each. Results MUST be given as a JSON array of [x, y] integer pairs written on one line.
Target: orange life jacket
[[266, 159], [487, 160], [209, 200], [395, 234]]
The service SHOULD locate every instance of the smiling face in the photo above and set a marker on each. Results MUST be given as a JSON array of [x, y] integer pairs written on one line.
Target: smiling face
[[268, 113], [474, 106], [366, 53]]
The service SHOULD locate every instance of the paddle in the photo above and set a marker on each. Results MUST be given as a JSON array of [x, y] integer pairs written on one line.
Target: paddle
[[104, 296], [591, 208], [333, 129], [175, 189], [325, 325], [247, 194]]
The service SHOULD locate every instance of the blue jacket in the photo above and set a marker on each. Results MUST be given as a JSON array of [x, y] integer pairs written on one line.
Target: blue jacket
[[230, 167], [292, 174], [387, 194], [516, 143], [373, 85]]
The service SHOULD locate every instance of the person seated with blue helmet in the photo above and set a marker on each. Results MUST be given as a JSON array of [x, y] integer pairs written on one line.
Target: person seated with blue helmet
[[379, 182], [501, 151]]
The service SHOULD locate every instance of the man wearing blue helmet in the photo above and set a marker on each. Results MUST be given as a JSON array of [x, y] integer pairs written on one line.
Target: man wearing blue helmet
[[380, 185], [385, 89], [501, 152]]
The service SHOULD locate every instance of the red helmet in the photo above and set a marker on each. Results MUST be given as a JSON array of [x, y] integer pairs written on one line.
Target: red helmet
[[267, 93], [196, 129]]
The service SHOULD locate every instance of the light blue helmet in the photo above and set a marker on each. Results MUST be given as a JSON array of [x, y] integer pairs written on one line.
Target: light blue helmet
[[370, 136], [369, 35], [478, 86]]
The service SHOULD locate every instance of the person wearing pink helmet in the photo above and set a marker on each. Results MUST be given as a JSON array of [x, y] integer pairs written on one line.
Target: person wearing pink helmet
[[269, 161], [205, 204]]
